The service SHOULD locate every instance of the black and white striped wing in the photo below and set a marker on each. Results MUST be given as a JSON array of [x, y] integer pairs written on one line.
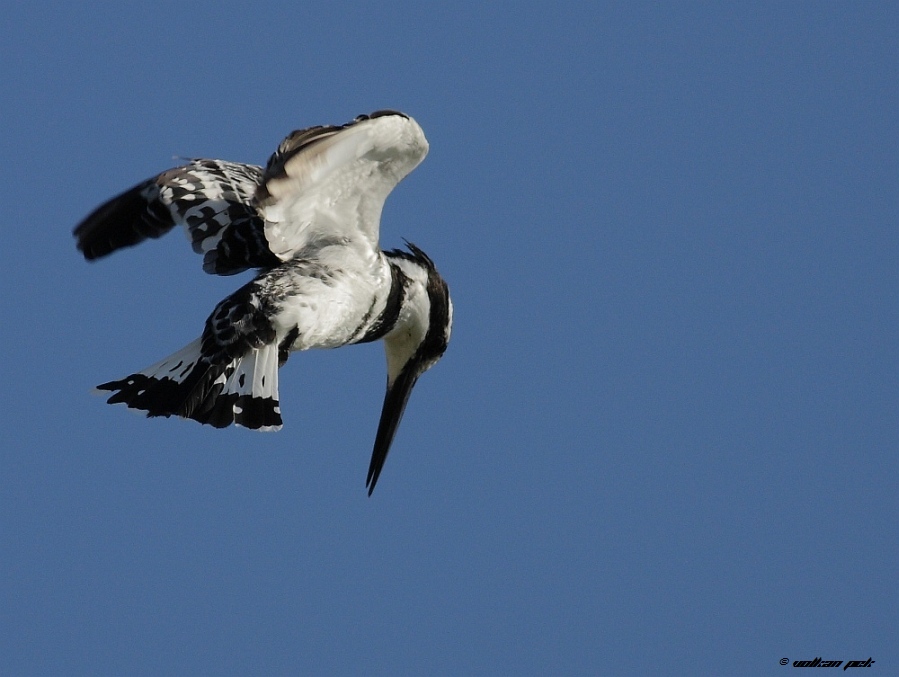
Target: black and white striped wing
[[212, 199], [323, 185]]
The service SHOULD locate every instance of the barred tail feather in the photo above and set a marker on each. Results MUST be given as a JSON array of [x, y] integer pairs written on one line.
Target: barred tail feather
[[162, 389], [244, 391]]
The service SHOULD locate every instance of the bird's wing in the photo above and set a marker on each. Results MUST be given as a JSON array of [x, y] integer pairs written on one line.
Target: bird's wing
[[212, 199], [327, 185], [323, 185]]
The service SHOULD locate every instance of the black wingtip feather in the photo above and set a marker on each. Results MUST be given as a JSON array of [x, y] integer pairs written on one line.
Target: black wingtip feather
[[124, 221]]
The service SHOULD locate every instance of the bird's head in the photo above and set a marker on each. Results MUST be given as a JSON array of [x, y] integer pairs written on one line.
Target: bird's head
[[415, 344]]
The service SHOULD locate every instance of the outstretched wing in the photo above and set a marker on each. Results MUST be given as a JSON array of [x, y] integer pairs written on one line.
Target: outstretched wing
[[323, 185], [212, 199], [328, 184]]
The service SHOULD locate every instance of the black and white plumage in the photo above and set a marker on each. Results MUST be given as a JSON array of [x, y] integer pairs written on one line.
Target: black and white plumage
[[309, 222]]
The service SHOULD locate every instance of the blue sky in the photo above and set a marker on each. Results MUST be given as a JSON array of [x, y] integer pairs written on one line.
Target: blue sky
[[663, 439]]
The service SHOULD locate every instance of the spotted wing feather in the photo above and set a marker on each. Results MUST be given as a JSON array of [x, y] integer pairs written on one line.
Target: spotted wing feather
[[212, 199]]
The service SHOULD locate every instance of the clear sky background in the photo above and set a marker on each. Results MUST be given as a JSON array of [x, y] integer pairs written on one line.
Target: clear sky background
[[663, 439]]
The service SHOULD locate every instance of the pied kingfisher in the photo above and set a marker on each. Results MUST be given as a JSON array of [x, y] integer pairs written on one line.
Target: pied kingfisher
[[309, 223]]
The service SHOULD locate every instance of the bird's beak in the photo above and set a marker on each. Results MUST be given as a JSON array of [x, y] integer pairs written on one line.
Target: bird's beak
[[395, 400]]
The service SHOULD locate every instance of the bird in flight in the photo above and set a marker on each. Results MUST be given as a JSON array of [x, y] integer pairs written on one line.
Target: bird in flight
[[308, 223]]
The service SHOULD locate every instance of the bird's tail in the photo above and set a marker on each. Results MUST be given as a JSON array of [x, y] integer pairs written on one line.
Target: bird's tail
[[243, 391]]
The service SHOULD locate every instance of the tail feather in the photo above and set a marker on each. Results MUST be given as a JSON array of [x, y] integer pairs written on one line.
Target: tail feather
[[244, 391]]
